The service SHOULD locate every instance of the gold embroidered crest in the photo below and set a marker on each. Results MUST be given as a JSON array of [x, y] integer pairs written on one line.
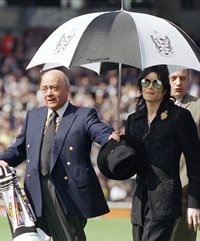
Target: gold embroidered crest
[[164, 115]]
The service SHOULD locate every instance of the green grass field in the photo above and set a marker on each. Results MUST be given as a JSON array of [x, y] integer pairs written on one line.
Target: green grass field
[[109, 230], [5, 234], [97, 229]]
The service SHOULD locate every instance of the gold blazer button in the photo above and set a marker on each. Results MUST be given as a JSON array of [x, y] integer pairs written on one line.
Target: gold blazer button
[[66, 178]]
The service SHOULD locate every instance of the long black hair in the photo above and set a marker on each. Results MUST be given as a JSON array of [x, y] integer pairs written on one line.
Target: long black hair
[[163, 75]]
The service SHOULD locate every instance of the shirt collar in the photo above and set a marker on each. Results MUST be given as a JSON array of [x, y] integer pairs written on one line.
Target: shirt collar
[[178, 101], [60, 111]]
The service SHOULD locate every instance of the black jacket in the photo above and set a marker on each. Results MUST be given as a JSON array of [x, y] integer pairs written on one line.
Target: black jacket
[[172, 132]]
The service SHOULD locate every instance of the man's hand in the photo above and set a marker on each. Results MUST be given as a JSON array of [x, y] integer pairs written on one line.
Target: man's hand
[[2, 162], [193, 217], [115, 136]]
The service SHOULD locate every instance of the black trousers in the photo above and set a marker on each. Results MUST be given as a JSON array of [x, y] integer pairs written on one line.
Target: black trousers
[[152, 230], [60, 226]]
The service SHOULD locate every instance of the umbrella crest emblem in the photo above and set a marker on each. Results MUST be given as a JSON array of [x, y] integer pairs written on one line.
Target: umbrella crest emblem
[[162, 44], [64, 41]]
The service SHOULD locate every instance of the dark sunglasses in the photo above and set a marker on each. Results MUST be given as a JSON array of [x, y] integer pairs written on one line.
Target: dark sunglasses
[[156, 83]]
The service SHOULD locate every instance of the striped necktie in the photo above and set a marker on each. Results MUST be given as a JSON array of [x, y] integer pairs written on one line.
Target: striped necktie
[[45, 154]]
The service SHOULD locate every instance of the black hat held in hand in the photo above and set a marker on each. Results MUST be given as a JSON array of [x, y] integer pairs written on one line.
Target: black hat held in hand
[[121, 160]]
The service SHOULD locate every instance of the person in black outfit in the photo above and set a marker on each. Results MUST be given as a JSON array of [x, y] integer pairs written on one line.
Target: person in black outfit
[[166, 130]]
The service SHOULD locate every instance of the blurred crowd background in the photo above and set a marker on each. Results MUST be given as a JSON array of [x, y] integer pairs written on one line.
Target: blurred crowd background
[[20, 90]]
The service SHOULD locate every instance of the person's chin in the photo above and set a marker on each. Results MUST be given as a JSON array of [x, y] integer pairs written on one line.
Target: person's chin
[[178, 96], [52, 106]]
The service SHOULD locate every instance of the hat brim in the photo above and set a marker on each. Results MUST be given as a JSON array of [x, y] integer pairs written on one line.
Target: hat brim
[[127, 169]]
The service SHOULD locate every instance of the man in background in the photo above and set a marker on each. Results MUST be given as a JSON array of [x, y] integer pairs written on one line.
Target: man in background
[[179, 81]]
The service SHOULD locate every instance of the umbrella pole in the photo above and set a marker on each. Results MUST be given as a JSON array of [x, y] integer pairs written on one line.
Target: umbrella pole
[[122, 4], [119, 97]]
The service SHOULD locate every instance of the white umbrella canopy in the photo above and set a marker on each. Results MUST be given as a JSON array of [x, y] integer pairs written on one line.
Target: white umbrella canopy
[[133, 39]]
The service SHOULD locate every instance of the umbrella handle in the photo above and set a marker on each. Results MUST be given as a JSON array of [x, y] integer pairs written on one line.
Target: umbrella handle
[[119, 96]]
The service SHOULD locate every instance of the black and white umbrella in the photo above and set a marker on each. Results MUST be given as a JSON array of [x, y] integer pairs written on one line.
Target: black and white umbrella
[[134, 39], [103, 40]]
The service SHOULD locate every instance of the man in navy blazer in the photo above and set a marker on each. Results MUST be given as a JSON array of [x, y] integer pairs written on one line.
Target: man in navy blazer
[[70, 193]]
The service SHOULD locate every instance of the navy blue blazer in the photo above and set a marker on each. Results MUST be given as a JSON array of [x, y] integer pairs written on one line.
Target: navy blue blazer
[[71, 170]]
